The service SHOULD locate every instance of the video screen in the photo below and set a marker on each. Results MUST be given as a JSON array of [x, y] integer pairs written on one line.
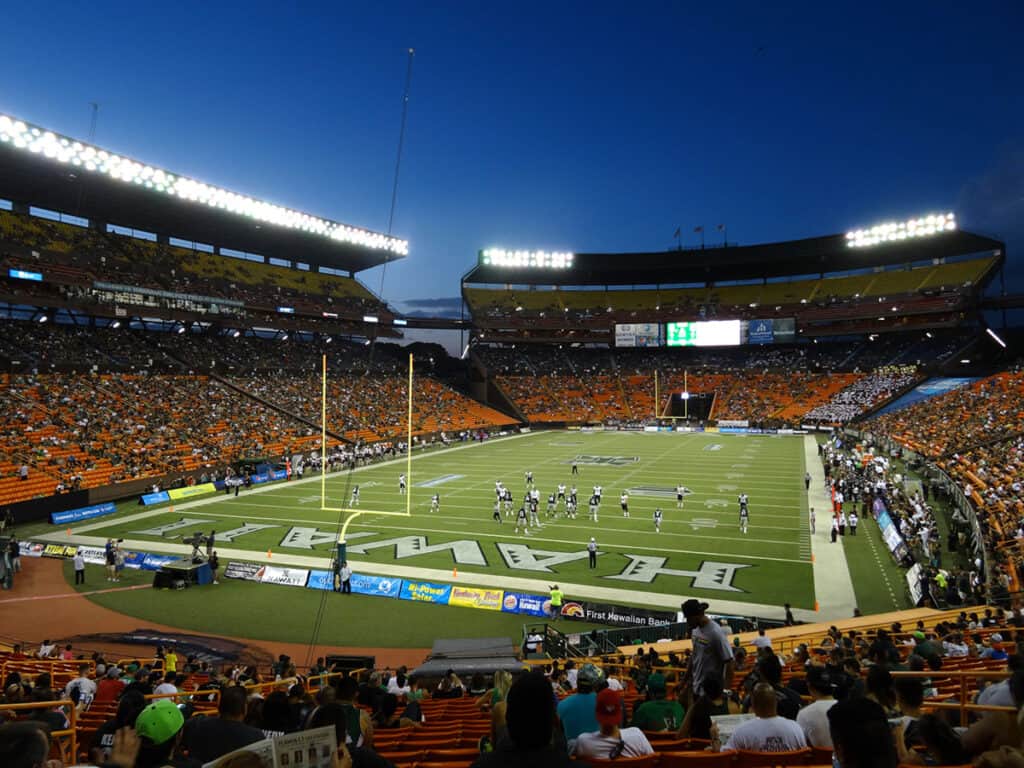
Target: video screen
[[712, 333]]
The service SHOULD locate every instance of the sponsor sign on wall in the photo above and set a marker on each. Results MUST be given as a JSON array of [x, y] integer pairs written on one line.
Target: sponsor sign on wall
[[527, 605], [155, 498], [288, 577], [469, 597], [425, 592], [94, 555], [31, 548], [375, 585], [244, 571], [321, 580], [191, 491], [82, 513], [149, 562]]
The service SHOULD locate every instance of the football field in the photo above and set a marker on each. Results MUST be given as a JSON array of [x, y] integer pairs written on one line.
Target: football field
[[699, 551]]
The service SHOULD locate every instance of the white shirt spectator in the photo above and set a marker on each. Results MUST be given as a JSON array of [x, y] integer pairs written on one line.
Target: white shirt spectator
[[762, 641], [86, 688], [599, 747], [767, 734], [165, 688], [813, 719]]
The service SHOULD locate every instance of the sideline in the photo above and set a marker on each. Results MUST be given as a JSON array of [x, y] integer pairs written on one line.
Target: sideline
[[833, 587]]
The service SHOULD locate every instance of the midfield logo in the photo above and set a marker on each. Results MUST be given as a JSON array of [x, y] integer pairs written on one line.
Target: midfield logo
[[614, 461]]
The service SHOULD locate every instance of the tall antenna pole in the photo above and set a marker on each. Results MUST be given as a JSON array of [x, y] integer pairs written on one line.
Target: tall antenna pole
[[92, 123], [398, 157]]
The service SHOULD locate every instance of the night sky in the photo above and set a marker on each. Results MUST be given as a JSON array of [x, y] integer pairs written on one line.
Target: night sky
[[581, 126]]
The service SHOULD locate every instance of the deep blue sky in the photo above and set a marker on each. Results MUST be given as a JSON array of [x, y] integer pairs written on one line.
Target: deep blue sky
[[585, 126]]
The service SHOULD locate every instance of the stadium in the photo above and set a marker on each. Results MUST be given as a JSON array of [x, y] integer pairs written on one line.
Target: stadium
[[217, 444]]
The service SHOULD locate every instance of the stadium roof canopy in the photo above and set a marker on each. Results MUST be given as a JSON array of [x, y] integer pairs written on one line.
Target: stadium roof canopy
[[47, 170], [815, 255]]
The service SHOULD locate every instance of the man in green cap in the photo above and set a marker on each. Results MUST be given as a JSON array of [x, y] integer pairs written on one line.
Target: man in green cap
[[658, 713], [159, 730]]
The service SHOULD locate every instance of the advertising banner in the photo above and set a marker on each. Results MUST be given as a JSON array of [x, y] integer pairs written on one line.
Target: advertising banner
[[733, 423], [425, 592], [190, 491], [155, 498], [321, 580], [94, 555], [32, 549], [148, 562], [134, 560], [619, 616], [82, 513], [760, 332], [468, 597], [375, 585], [527, 605], [288, 577], [244, 571], [59, 550]]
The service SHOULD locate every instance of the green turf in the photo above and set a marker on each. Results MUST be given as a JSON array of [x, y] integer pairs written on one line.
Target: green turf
[[774, 555], [285, 614]]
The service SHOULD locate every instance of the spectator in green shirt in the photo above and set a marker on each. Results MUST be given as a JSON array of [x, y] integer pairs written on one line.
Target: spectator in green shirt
[[658, 713], [556, 602]]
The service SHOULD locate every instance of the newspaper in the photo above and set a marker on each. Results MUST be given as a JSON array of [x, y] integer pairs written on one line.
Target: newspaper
[[727, 724], [303, 749]]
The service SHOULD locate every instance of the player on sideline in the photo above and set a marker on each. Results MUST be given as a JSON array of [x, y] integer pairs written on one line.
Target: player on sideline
[[624, 503], [497, 511], [812, 520], [521, 521], [680, 495], [551, 504], [401, 484], [529, 478], [657, 520], [594, 504], [435, 503], [355, 497]]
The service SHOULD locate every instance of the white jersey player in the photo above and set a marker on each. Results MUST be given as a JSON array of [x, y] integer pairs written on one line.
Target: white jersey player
[[597, 492], [743, 500], [657, 520], [529, 478], [680, 495], [561, 491], [570, 510], [401, 483], [435, 503], [624, 503], [499, 489], [355, 497]]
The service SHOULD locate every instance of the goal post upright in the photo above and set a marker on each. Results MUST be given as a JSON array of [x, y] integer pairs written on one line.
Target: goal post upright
[[351, 512]]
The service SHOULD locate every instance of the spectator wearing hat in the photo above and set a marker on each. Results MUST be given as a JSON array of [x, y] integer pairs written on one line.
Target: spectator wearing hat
[[110, 687], [578, 711], [711, 651], [128, 709], [159, 728], [813, 718], [657, 713], [994, 650], [610, 741]]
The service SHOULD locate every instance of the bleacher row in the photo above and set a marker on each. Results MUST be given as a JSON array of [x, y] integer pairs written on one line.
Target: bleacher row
[[71, 255], [781, 386], [805, 298], [452, 728]]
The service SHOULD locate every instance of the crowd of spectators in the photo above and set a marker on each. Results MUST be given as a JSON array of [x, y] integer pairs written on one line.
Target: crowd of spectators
[[862, 395]]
